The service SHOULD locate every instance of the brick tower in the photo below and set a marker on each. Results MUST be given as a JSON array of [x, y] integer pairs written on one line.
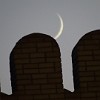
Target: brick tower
[[35, 67], [86, 68]]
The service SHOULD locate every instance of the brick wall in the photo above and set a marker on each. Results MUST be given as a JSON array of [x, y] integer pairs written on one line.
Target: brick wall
[[86, 68], [35, 67]]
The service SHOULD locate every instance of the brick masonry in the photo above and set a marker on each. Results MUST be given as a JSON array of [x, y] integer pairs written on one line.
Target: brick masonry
[[86, 68], [35, 66]]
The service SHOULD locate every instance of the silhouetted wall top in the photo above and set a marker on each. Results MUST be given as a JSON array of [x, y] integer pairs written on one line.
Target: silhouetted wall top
[[36, 69], [86, 68]]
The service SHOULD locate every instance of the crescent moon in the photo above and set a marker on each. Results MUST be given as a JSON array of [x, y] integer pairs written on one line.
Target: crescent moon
[[61, 27]]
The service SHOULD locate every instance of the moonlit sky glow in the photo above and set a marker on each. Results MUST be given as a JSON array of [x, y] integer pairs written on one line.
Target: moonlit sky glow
[[21, 17]]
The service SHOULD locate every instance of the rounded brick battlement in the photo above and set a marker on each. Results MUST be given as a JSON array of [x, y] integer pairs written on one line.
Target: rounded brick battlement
[[36, 69]]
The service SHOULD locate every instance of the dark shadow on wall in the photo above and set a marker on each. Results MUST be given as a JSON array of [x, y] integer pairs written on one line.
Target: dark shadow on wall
[[75, 68], [12, 72]]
